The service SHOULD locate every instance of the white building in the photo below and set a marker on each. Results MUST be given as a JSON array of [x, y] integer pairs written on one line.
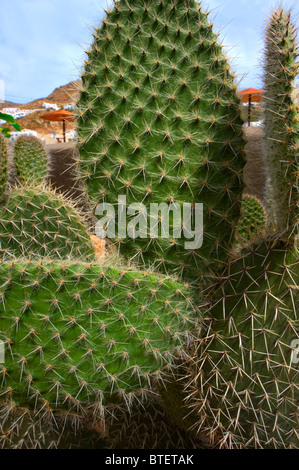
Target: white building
[[10, 111], [69, 107], [17, 113], [51, 106]]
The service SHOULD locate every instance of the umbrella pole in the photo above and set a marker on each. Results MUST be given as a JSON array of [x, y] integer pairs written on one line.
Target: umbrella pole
[[249, 110], [63, 125]]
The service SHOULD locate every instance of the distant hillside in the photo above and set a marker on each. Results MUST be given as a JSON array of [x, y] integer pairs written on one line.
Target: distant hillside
[[65, 94], [9, 104], [62, 96]]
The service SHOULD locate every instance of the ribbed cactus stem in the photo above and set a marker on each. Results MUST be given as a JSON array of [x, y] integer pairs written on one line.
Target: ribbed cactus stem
[[31, 160], [244, 392], [3, 164], [253, 221], [282, 121]]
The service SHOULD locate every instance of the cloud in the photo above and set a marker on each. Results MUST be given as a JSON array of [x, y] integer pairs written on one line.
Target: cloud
[[41, 40], [39, 43]]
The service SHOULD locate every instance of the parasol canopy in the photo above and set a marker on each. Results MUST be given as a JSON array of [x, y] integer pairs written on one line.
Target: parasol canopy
[[60, 116], [251, 95], [256, 95]]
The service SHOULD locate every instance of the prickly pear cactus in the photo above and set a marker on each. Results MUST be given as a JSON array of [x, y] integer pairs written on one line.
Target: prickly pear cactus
[[253, 221], [37, 222], [245, 388], [282, 120], [79, 337], [31, 160], [159, 122], [3, 164]]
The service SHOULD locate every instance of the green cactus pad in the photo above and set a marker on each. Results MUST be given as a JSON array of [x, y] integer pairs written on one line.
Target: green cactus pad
[[31, 160], [3, 164], [282, 121], [159, 122], [245, 392], [79, 337], [253, 220], [37, 222]]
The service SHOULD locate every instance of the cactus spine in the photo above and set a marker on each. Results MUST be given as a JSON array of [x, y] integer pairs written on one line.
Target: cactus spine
[[159, 122], [245, 390], [281, 120], [37, 222], [31, 160], [83, 337], [253, 221], [245, 383], [3, 164]]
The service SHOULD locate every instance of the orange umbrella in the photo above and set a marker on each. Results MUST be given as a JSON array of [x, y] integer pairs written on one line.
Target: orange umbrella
[[251, 95], [60, 116]]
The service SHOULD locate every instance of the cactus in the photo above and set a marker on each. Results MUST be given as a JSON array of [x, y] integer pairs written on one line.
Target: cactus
[[80, 338], [159, 122], [37, 222], [3, 164], [244, 387], [245, 383], [149, 429], [22, 430], [31, 160], [281, 121], [253, 221]]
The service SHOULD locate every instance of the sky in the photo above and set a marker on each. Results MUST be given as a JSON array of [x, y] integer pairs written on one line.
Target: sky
[[42, 42]]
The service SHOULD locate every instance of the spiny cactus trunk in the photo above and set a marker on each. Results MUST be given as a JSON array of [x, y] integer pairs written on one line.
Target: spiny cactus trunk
[[253, 221], [245, 390], [31, 160], [159, 122], [282, 121], [3, 164]]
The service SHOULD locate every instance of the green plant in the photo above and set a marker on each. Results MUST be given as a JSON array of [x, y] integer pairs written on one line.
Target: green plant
[[31, 160], [159, 122], [3, 165], [253, 221], [87, 345], [37, 222], [281, 121], [80, 338], [245, 384], [244, 388], [5, 131]]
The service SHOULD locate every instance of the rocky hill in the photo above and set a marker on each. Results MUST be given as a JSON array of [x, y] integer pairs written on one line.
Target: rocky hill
[[62, 96], [9, 104]]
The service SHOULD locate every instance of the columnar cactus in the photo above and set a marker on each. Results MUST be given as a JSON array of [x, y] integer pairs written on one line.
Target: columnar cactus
[[79, 337], [282, 120], [37, 222], [31, 160], [159, 122], [3, 164], [245, 383]]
